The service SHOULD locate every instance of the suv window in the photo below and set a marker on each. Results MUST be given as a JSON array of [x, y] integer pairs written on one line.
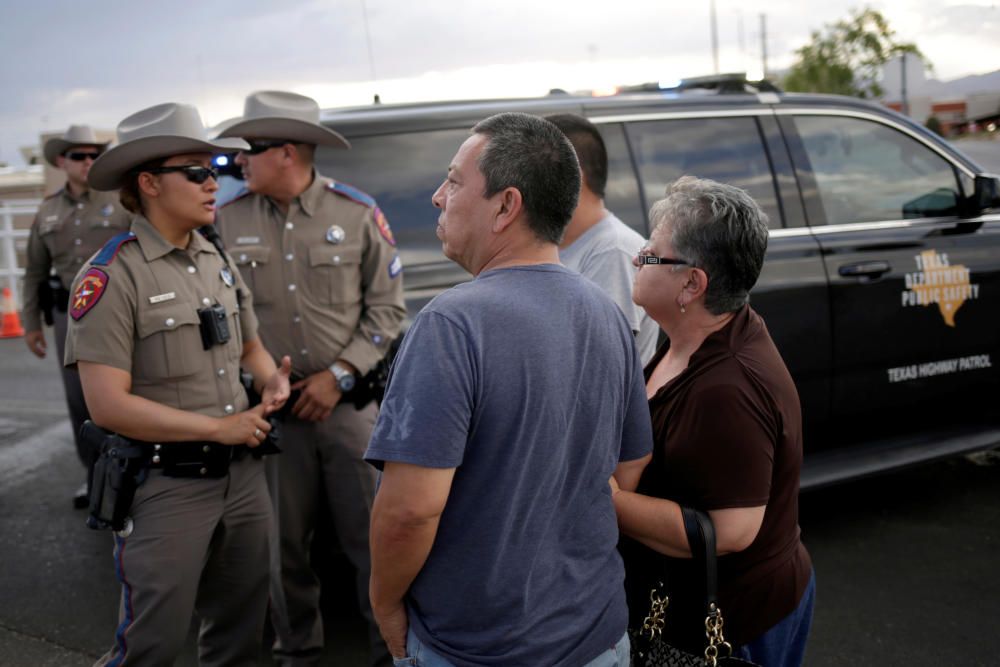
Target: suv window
[[622, 192], [867, 172], [401, 171], [729, 150]]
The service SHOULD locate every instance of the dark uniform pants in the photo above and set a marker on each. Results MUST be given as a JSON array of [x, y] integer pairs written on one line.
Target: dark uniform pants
[[196, 545], [320, 462], [74, 393]]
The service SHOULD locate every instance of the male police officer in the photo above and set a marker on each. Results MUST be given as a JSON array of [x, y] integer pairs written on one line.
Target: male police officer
[[325, 276], [71, 225]]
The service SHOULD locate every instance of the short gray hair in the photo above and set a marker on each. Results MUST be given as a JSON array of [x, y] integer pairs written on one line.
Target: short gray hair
[[718, 228]]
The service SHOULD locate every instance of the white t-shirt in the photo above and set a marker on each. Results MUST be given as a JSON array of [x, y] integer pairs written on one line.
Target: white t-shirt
[[604, 254]]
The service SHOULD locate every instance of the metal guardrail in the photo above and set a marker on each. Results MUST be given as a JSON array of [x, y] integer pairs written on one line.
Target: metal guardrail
[[9, 270]]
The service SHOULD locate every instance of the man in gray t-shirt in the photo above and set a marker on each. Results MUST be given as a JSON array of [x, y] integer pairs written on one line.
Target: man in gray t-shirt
[[513, 399], [597, 244]]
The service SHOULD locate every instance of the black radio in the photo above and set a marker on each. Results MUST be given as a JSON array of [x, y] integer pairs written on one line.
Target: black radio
[[214, 326]]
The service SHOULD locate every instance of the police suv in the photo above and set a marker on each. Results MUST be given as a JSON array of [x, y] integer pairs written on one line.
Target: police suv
[[881, 285]]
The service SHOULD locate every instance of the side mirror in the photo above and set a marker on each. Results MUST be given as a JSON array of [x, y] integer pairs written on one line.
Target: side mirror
[[986, 194]]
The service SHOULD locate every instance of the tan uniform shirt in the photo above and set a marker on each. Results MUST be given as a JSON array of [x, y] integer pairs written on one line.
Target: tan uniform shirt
[[326, 278], [67, 230], [138, 312]]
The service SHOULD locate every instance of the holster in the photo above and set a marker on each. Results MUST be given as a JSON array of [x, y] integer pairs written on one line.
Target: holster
[[118, 472], [52, 296], [270, 445], [60, 295], [371, 387]]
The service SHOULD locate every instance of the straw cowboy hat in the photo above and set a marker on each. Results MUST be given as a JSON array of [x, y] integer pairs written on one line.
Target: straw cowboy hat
[[76, 135], [156, 132], [272, 114]]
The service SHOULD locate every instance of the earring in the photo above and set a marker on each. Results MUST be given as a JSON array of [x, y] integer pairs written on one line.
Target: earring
[[682, 309]]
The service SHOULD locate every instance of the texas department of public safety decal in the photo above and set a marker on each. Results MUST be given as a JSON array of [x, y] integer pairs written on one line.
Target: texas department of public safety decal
[[938, 282], [88, 292], [383, 226]]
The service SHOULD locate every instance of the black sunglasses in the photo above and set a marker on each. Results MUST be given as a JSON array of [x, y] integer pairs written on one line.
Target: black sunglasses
[[645, 258], [193, 173], [258, 146], [80, 156]]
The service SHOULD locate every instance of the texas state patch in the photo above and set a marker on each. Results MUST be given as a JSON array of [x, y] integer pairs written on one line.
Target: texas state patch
[[88, 292], [383, 226], [395, 267]]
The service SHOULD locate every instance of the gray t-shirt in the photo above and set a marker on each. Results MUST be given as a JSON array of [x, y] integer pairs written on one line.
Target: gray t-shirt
[[604, 254], [527, 381]]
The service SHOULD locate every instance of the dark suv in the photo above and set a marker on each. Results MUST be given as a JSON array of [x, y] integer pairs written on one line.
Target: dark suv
[[881, 286]]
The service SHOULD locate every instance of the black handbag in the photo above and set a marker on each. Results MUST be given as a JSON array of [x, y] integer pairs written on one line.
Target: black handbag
[[649, 647]]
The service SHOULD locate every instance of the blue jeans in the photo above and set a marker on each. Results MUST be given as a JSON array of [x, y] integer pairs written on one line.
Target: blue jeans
[[784, 645], [419, 654]]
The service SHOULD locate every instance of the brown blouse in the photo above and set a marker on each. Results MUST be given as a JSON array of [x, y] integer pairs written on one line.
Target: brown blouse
[[728, 433]]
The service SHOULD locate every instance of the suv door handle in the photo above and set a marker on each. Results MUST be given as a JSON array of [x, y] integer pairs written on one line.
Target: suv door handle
[[865, 270]]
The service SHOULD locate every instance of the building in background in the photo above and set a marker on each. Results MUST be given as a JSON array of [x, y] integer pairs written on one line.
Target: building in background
[[968, 105]]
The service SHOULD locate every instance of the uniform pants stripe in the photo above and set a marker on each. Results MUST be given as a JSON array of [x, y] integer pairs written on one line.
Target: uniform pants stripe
[[126, 601]]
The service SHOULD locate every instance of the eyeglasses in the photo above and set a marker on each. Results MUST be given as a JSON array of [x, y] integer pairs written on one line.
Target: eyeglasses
[[645, 257], [80, 156], [193, 173], [258, 146]]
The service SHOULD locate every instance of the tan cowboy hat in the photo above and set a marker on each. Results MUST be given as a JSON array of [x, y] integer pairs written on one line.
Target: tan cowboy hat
[[156, 132], [76, 135], [274, 114]]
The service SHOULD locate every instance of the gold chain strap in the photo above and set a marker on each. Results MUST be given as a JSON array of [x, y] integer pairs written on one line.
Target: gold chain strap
[[652, 625], [713, 631]]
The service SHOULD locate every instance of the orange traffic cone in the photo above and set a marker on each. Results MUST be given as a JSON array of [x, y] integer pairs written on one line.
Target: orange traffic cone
[[11, 321]]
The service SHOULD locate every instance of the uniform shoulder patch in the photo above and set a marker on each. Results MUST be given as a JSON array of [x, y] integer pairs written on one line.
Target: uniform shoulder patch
[[352, 193], [107, 254], [395, 267], [88, 292], [383, 226]]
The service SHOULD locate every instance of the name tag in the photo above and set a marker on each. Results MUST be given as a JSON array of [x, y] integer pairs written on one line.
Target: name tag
[[160, 298], [51, 218], [246, 240]]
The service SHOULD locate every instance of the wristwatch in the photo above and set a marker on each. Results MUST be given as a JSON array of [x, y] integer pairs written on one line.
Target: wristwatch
[[345, 378]]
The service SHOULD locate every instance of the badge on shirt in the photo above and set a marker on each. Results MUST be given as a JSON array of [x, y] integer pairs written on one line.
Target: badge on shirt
[[51, 218], [88, 292], [227, 276], [335, 234], [395, 267], [247, 240], [107, 210], [383, 226]]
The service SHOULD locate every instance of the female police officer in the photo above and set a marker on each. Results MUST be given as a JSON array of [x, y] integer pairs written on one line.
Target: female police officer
[[158, 332]]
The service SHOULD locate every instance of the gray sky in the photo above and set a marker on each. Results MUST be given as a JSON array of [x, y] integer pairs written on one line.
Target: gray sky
[[66, 61]]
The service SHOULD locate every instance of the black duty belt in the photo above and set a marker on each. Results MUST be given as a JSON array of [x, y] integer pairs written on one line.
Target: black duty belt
[[192, 459]]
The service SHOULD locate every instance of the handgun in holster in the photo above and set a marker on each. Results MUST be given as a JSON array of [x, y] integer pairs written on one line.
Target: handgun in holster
[[371, 386], [119, 471], [51, 296], [270, 444]]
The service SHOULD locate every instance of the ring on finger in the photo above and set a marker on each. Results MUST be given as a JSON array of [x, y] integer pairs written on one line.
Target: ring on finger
[[257, 433]]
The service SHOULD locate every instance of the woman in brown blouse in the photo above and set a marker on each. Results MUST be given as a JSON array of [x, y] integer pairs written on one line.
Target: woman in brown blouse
[[727, 431]]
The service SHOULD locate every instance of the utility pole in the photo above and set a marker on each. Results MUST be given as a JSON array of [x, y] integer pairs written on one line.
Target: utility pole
[[368, 43], [715, 38], [763, 44], [902, 79]]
